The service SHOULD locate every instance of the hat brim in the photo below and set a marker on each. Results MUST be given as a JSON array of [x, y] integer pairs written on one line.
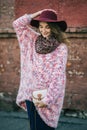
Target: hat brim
[[61, 24]]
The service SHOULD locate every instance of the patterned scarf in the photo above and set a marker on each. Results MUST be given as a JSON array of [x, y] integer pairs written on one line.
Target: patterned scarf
[[44, 46]]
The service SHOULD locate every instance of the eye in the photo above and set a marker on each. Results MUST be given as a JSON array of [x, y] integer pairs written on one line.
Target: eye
[[47, 27], [40, 26]]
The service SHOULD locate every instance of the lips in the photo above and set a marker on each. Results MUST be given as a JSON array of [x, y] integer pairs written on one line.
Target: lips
[[45, 35]]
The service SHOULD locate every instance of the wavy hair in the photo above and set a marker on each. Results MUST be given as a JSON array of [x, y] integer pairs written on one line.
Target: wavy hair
[[60, 35]]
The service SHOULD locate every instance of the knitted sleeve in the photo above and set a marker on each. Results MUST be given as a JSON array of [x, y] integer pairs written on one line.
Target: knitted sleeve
[[58, 78], [22, 29]]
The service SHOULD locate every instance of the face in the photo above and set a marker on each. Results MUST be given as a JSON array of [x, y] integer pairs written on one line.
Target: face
[[44, 29]]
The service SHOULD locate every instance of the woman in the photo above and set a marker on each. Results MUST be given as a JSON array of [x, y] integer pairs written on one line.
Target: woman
[[43, 65]]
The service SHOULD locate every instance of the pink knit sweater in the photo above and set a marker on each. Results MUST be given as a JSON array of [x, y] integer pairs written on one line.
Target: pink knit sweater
[[40, 71]]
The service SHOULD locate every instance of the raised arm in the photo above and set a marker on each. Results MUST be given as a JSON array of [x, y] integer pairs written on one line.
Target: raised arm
[[21, 26], [22, 29]]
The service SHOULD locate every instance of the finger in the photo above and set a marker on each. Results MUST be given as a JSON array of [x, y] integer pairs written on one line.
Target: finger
[[49, 10], [36, 104], [41, 105]]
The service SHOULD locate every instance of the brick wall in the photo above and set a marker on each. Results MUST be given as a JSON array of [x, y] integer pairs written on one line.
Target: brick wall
[[76, 89], [9, 65], [74, 12], [6, 15]]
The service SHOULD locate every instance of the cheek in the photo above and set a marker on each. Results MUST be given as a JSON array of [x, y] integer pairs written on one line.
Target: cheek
[[49, 30], [40, 30]]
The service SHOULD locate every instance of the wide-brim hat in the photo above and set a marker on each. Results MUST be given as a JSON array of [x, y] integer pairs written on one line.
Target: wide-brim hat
[[48, 16]]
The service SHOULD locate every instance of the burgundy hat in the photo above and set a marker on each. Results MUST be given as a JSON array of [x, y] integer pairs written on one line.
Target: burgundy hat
[[49, 16]]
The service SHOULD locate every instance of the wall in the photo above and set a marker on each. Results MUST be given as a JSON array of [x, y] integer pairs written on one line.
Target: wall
[[6, 15], [74, 12]]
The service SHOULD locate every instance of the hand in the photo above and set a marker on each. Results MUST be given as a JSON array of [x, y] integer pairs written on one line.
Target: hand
[[40, 104], [49, 10], [39, 12]]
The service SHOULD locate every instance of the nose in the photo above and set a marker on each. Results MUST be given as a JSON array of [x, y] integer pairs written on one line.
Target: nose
[[43, 30]]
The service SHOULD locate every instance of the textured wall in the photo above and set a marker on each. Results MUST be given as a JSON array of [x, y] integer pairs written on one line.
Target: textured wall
[[73, 11], [6, 15], [9, 65], [76, 90]]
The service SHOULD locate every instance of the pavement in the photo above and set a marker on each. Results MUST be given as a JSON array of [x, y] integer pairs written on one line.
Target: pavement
[[19, 121]]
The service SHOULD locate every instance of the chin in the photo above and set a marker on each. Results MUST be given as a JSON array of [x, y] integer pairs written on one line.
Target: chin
[[45, 36]]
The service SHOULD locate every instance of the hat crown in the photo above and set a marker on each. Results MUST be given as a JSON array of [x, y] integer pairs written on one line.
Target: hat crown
[[48, 15]]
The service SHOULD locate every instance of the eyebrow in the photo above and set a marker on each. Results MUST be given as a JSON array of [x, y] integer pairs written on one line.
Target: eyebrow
[[42, 25]]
